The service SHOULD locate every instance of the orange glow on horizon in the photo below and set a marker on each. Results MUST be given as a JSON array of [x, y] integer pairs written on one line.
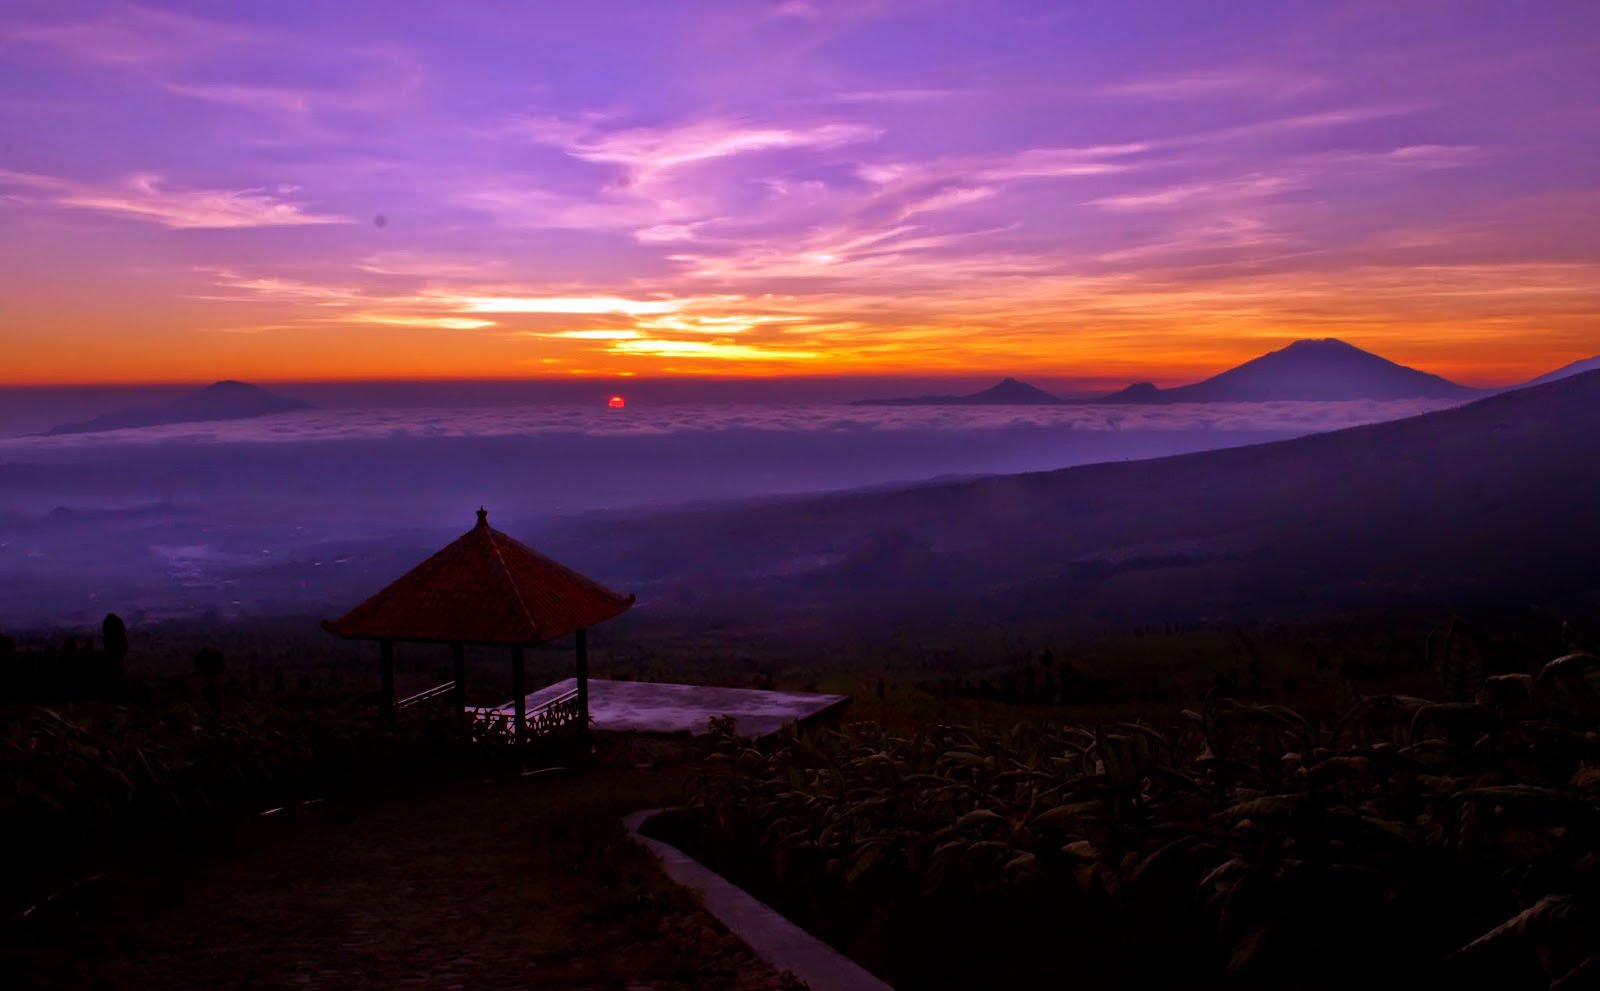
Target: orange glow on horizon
[[1097, 370], [1479, 325]]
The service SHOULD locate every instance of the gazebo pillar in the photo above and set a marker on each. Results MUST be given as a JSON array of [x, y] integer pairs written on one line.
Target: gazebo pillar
[[386, 673], [519, 689], [583, 679], [458, 671]]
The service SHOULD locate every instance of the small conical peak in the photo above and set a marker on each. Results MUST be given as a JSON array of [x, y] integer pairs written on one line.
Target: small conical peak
[[483, 517]]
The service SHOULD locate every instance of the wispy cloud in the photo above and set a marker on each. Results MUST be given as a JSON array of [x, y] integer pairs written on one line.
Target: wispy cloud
[[128, 34], [1225, 191], [590, 335], [220, 62], [363, 79], [646, 152], [145, 197], [443, 323], [908, 95], [801, 9], [566, 304], [1430, 156], [1201, 84], [721, 350], [670, 181]]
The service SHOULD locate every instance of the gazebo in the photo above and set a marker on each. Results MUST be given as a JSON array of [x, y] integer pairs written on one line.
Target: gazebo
[[484, 589]]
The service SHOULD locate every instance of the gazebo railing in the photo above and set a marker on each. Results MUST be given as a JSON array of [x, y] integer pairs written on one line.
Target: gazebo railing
[[420, 697], [543, 719]]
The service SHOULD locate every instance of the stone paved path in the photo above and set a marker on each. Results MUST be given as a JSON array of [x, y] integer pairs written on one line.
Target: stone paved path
[[529, 884]]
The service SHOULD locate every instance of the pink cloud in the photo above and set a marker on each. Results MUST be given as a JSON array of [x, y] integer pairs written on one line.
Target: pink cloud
[[143, 197], [1229, 190], [126, 34], [1213, 82], [649, 151]]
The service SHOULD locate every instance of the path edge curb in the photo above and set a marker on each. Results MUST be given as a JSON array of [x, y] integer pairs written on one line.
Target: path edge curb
[[779, 943]]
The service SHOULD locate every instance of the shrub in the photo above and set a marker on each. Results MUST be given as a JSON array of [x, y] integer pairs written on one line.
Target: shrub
[[1409, 842]]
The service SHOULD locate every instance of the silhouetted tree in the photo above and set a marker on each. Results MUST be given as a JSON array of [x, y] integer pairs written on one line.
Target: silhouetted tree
[[114, 634], [13, 679], [208, 665]]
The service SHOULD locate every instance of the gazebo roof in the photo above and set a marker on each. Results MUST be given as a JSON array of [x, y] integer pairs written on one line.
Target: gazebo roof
[[484, 588]]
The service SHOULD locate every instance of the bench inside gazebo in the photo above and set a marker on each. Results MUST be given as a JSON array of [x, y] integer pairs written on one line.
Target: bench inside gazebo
[[488, 590]]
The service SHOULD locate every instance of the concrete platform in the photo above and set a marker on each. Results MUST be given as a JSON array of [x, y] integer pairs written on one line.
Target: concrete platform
[[652, 707]]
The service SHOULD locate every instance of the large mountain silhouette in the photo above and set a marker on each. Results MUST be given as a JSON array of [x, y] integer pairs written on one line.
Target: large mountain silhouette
[[1491, 501], [1327, 369], [1006, 392], [227, 400]]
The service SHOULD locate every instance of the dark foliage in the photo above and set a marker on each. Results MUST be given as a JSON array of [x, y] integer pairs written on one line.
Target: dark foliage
[[82, 784], [68, 670], [1409, 842]]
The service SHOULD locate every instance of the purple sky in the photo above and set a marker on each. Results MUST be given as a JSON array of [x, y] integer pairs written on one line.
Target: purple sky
[[1092, 191]]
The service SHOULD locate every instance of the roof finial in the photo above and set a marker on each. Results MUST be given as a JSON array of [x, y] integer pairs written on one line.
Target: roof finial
[[483, 516]]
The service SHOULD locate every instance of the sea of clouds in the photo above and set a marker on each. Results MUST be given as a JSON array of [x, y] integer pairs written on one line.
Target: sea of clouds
[[679, 418], [271, 513]]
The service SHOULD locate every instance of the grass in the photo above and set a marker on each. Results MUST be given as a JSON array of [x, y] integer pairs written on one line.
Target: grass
[[1405, 843]]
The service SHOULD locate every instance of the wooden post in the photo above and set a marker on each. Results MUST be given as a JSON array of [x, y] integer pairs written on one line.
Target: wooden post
[[583, 681], [458, 671], [519, 689], [386, 673]]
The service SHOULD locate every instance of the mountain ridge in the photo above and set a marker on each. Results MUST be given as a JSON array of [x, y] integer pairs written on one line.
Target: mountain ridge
[[1310, 369], [1007, 392], [228, 399]]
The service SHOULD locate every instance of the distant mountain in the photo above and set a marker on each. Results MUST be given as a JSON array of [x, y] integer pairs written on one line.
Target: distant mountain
[[1489, 502], [226, 400], [1006, 392], [1327, 369], [1565, 371]]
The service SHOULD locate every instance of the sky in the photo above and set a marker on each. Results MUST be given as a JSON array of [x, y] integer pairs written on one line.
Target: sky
[[1083, 192]]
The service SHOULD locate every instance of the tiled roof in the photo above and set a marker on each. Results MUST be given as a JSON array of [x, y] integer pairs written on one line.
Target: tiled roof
[[484, 588]]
